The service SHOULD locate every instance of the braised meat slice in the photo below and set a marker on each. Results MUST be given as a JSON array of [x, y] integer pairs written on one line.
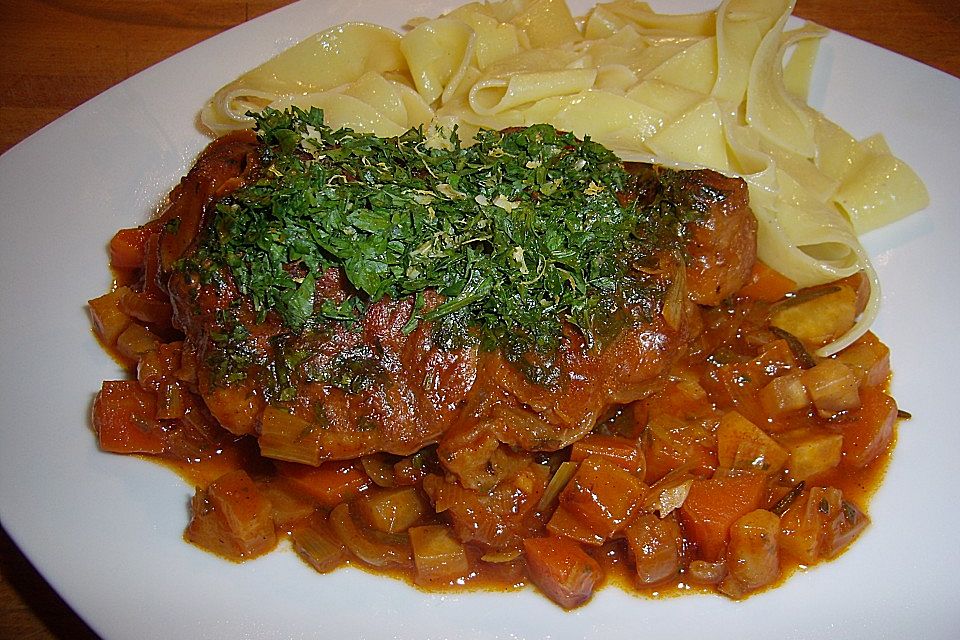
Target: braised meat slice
[[388, 376]]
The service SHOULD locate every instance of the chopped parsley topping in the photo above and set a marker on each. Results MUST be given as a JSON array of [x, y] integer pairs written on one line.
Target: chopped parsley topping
[[519, 232]]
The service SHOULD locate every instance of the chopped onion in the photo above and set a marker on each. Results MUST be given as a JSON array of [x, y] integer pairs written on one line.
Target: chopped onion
[[379, 470], [560, 478], [365, 545], [703, 572]]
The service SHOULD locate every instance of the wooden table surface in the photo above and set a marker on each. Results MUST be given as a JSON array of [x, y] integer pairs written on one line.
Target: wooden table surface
[[59, 53]]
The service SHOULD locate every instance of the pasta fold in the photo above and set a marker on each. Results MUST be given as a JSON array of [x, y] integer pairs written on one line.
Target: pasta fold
[[724, 89]]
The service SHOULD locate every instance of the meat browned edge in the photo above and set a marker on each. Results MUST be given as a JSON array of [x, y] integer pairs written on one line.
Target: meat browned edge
[[483, 414]]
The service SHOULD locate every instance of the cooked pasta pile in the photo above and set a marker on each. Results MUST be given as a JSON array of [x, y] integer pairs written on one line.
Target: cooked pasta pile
[[724, 89]]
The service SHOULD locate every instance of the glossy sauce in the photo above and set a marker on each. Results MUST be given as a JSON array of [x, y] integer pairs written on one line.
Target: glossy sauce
[[857, 485]]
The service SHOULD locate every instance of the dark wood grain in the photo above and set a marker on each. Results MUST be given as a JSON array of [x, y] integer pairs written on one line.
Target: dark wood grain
[[60, 53]]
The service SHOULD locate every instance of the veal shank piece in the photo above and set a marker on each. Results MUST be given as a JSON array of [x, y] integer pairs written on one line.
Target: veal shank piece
[[384, 382]]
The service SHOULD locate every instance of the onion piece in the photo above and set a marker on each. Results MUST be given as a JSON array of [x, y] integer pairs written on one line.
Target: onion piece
[[560, 478], [379, 470], [504, 555], [703, 572], [675, 297], [365, 545], [669, 492]]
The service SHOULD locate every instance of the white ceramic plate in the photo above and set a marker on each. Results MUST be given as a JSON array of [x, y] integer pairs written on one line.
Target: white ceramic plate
[[106, 530]]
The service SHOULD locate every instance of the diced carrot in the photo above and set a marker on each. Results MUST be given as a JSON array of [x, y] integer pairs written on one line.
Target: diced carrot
[[621, 451], [714, 504], [330, 483], [766, 284], [147, 308], [564, 523], [128, 247], [603, 495], [233, 518], [562, 570], [124, 417], [870, 428]]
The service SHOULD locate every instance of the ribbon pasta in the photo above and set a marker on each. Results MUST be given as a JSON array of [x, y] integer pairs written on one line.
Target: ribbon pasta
[[723, 89]]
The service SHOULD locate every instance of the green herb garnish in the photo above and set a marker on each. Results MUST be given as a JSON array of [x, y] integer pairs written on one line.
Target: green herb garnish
[[520, 232]]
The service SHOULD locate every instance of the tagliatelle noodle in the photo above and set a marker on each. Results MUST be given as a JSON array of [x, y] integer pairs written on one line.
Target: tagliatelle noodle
[[547, 23], [625, 123], [329, 59], [513, 89], [723, 89], [740, 30], [641, 15], [438, 53], [696, 137]]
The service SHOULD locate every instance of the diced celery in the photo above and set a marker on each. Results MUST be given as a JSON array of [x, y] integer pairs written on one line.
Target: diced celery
[[753, 555], [285, 436], [558, 481], [289, 507], [171, 400], [135, 341], [812, 450], [317, 545], [832, 386], [784, 394], [656, 546], [819, 319], [109, 321], [743, 446], [438, 555], [392, 510]]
